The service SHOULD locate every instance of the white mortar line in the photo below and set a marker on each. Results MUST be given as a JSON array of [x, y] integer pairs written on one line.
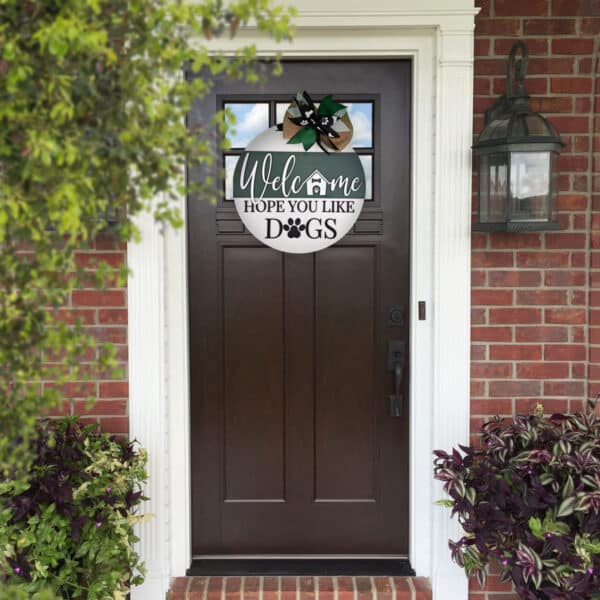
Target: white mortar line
[[187, 588], [334, 582], [261, 583], [393, 587], [298, 588], [373, 588], [205, 589], [355, 596], [223, 587], [316, 583], [242, 584], [411, 585]]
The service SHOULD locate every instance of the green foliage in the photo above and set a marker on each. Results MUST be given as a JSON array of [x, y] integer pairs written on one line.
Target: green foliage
[[546, 528], [69, 528], [92, 107], [16, 592]]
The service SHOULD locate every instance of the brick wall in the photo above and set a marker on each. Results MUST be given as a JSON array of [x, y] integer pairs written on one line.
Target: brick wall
[[535, 328], [104, 314]]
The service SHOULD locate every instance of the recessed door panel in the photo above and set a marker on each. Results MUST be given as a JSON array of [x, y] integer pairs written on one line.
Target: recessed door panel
[[346, 416], [254, 397]]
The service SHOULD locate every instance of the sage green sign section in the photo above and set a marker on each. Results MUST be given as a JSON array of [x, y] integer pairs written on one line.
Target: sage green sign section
[[260, 174]]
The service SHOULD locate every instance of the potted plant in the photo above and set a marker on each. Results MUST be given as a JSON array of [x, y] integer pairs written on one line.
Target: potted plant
[[529, 499]]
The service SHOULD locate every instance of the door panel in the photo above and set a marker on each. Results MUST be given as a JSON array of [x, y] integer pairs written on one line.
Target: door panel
[[253, 313], [345, 456], [294, 449]]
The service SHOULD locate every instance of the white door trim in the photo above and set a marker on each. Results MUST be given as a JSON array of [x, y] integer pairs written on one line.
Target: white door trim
[[440, 44]]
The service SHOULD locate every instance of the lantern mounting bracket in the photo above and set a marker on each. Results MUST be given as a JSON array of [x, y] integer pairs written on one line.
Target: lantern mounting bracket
[[515, 85]]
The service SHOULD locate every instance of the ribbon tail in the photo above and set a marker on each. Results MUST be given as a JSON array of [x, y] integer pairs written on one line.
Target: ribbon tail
[[320, 144], [300, 108], [309, 104], [308, 99]]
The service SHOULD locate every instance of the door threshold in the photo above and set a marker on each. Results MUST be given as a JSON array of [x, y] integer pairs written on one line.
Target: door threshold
[[298, 556], [399, 567]]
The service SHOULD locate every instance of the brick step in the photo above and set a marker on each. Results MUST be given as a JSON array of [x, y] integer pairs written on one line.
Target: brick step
[[300, 588]]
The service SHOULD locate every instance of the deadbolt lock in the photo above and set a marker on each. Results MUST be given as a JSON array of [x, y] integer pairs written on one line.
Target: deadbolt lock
[[395, 315]]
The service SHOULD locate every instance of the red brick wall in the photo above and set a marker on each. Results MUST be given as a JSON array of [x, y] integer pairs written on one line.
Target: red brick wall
[[104, 314], [535, 328]]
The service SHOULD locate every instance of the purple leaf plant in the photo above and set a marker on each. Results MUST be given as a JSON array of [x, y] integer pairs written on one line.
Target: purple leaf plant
[[529, 499]]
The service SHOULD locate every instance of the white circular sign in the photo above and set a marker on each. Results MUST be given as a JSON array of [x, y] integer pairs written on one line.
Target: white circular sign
[[296, 200]]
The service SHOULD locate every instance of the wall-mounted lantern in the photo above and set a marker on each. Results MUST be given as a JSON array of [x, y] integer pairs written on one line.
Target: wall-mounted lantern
[[518, 160]]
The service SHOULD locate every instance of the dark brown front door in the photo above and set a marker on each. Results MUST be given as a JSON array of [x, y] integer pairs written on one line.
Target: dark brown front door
[[294, 448]]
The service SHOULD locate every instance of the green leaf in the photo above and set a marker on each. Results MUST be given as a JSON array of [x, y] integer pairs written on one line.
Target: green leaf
[[566, 507], [535, 526], [307, 136], [58, 46], [540, 528], [568, 487], [447, 503], [327, 107]]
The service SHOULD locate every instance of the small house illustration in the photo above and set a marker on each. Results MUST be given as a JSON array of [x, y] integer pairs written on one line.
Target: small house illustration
[[316, 184]]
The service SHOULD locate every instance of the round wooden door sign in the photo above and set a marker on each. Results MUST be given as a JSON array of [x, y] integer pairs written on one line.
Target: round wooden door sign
[[299, 187]]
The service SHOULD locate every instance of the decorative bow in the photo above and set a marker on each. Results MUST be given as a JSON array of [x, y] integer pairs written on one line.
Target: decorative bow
[[322, 125]]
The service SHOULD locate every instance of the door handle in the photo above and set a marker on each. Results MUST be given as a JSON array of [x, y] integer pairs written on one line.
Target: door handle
[[396, 399], [395, 360]]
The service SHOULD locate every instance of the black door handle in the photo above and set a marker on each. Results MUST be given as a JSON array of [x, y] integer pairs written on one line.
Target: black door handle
[[396, 399], [396, 352]]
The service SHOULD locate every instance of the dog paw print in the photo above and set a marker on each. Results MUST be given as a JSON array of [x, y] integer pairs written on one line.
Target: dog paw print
[[293, 228]]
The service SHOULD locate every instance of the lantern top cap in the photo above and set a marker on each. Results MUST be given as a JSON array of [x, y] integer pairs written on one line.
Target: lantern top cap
[[523, 127], [511, 124]]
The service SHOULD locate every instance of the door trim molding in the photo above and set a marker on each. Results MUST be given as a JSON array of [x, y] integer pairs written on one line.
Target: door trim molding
[[440, 44]]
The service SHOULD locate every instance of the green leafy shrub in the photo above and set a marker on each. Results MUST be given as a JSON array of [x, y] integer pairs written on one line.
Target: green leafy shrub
[[93, 130], [70, 527]]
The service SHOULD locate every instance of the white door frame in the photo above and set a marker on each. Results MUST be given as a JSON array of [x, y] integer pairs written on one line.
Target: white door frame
[[440, 44]]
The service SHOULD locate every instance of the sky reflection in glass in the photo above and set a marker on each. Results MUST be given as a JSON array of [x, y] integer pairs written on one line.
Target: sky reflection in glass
[[230, 162], [367, 163], [250, 120]]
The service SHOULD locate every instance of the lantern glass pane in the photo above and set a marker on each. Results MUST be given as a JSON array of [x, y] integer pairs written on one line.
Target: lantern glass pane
[[493, 170], [530, 186]]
